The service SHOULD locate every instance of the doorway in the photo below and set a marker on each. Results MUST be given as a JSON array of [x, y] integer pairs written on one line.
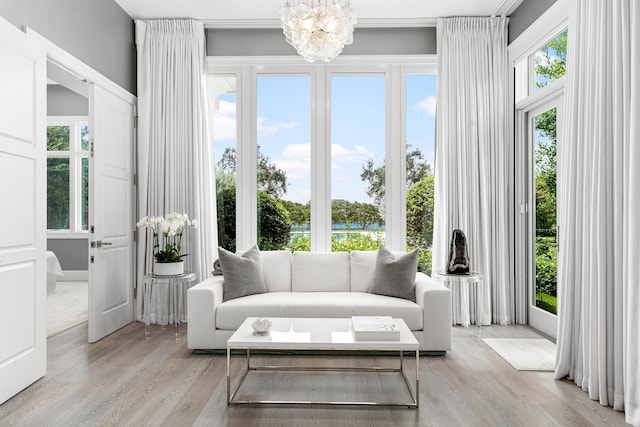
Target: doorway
[[542, 139], [67, 199]]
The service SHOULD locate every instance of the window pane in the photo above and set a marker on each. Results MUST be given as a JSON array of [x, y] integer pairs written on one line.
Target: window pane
[[550, 61], [57, 138], [420, 148], [357, 162], [223, 108], [545, 193], [84, 137], [58, 194], [284, 162], [84, 186]]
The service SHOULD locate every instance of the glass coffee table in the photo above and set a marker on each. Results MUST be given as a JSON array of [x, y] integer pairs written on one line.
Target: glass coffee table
[[301, 335]]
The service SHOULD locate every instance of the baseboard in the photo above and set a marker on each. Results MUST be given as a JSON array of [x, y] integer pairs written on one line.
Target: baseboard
[[75, 276]]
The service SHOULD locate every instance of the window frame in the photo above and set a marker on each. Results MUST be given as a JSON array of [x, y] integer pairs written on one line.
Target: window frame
[[75, 156], [393, 67]]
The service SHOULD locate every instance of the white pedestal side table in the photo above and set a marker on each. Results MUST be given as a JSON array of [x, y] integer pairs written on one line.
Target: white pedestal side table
[[175, 304], [460, 292]]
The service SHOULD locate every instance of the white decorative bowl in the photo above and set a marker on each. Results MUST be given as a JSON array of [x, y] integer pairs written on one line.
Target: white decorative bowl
[[261, 326]]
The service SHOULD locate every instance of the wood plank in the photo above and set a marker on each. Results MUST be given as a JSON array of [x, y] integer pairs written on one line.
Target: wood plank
[[127, 380]]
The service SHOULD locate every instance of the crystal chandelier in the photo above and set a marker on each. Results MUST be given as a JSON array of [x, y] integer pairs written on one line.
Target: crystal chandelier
[[316, 30]]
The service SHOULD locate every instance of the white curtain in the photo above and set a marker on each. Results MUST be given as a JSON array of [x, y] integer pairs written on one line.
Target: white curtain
[[599, 205], [175, 170], [473, 180]]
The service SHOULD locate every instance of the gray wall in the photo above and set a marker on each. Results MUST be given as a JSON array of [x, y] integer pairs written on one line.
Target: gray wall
[[72, 253], [366, 41], [525, 15], [97, 32], [64, 102]]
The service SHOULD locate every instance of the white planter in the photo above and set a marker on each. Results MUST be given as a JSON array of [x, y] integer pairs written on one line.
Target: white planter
[[168, 268]]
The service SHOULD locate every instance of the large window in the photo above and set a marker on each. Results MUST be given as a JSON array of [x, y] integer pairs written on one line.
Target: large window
[[340, 156], [67, 174]]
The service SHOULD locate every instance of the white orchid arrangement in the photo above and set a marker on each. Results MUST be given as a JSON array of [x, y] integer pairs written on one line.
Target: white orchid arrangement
[[171, 227]]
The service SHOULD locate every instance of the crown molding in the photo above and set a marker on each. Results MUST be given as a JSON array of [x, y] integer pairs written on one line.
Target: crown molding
[[362, 23], [506, 7]]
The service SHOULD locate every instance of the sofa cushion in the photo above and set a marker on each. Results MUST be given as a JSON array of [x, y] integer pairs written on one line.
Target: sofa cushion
[[395, 276], [363, 265], [276, 269], [242, 273], [231, 314], [320, 271]]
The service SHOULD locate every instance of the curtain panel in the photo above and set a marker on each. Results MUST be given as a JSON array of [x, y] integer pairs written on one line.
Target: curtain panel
[[599, 205], [473, 167], [175, 170]]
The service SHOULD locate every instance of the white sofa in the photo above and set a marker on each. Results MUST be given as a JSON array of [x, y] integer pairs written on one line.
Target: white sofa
[[317, 285]]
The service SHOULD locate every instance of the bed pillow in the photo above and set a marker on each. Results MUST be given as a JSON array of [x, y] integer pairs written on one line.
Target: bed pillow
[[242, 274], [395, 276]]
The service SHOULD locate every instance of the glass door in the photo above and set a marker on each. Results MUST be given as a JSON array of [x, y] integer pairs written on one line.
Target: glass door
[[543, 231]]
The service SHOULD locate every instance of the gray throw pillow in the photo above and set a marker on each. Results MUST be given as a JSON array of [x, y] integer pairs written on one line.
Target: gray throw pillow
[[395, 277], [242, 273]]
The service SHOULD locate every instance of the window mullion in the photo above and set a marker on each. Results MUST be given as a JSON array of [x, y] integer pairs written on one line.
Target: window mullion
[[321, 162]]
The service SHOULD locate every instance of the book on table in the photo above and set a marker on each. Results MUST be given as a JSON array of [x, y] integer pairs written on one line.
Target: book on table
[[374, 328]]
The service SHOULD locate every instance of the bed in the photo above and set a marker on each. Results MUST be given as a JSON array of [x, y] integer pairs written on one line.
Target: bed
[[54, 271]]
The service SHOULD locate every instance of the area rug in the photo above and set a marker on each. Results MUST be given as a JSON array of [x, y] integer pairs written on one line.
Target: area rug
[[525, 354]]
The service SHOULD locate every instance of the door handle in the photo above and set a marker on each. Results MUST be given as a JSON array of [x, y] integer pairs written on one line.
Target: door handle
[[100, 244]]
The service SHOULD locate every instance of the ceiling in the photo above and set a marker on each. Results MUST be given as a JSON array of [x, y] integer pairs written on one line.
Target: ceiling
[[266, 13]]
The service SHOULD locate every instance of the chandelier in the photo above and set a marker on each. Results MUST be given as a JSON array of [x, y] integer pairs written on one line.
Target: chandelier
[[318, 31]]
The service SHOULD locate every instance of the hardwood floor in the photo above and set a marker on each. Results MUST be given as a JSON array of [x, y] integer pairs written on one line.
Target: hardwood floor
[[68, 306], [127, 380]]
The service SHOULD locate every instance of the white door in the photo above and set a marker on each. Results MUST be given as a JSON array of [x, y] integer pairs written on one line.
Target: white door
[[543, 136], [111, 224], [23, 354]]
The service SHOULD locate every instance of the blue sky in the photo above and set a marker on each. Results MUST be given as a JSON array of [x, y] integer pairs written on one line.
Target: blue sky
[[357, 127]]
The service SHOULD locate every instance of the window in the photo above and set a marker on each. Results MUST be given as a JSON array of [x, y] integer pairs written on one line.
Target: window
[[358, 135], [549, 62], [67, 174], [323, 146], [223, 109]]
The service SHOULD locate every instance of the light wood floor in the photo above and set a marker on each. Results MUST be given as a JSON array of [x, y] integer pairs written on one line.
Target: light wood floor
[[67, 306], [127, 380]]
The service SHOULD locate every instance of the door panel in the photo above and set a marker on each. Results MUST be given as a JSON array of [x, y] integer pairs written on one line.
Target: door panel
[[111, 273], [23, 212], [543, 283]]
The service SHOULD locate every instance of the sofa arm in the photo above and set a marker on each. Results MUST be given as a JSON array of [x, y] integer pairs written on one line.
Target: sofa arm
[[202, 300], [435, 300]]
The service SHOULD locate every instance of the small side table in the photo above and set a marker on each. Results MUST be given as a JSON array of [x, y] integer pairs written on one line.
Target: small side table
[[176, 301], [460, 288]]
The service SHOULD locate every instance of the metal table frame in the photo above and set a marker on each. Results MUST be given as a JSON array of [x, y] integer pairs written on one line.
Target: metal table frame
[[231, 397], [176, 298]]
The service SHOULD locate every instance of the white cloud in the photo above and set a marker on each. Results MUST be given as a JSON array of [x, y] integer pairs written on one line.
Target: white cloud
[[267, 129], [428, 105], [344, 158], [295, 159], [224, 122]]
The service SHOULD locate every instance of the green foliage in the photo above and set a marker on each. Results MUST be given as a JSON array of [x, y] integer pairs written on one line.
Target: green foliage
[[546, 266], [547, 302], [226, 201], [274, 223], [417, 170], [300, 214], [420, 213], [58, 194], [551, 61], [357, 241], [424, 260], [57, 138], [271, 179], [300, 243]]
